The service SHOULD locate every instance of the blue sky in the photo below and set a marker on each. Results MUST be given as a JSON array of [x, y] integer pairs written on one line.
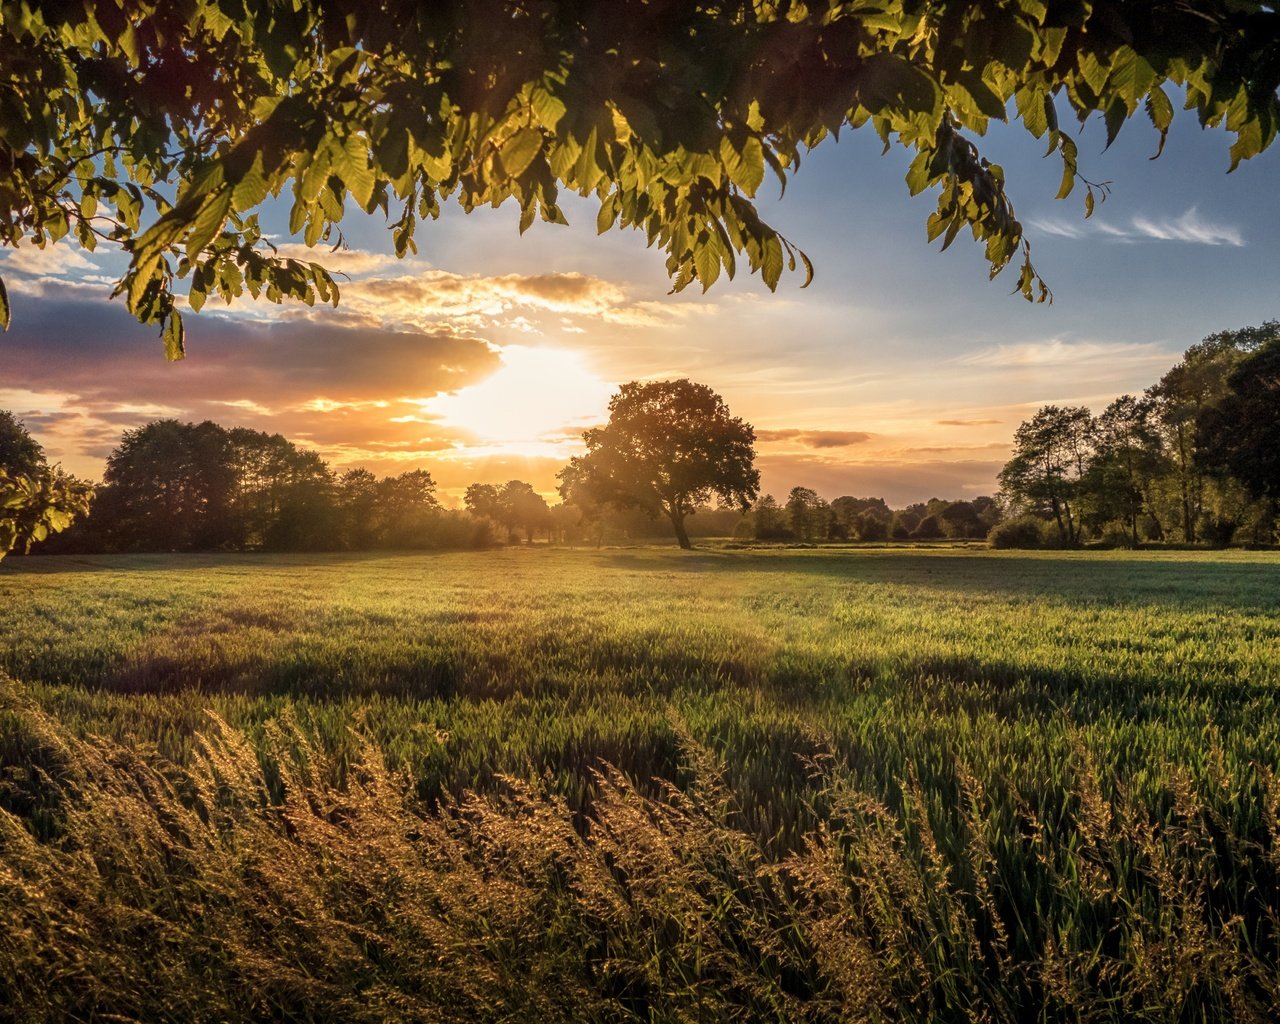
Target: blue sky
[[900, 371]]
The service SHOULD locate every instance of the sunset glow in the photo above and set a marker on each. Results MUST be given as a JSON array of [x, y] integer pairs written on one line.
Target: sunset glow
[[538, 395]]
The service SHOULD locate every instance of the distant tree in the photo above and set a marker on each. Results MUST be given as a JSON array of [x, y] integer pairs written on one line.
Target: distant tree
[[20, 453], [768, 520], [272, 475], [1128, 459], [307, 518], [405, 510], [356, 499], [1051, 455], [1181, 397], [171, 485], [903, 522], [1240, 433], [960, 521], [871, 526], [482, 501], [846, 509], [174, 486], [667, 448], [521, 506], [988, 509], [807, 513], [929, 528]]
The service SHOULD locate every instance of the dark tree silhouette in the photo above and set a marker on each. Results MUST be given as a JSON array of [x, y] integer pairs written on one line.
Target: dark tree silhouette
[[519, 505], [20, 453], [1240, 434], [668, 447]]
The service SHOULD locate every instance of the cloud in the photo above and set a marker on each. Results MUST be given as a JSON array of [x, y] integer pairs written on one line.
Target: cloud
[[470, 302], [1056, 352], [815, 438], [1190, 227], [351, 262], [51, 261], [967, 423], [326, 385]]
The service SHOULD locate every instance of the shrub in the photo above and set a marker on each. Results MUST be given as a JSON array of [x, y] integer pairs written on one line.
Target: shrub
[[1023, 532]]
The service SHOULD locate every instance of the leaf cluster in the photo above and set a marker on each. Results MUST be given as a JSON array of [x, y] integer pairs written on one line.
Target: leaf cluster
[[162, 127], [34, 506]]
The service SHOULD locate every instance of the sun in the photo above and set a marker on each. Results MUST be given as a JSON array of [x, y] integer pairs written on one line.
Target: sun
[[538, 395]]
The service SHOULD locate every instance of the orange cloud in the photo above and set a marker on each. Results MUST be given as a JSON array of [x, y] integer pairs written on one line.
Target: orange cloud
[[815, 438]]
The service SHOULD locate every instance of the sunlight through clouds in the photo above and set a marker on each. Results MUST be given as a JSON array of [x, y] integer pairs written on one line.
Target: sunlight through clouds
[[536, 392]]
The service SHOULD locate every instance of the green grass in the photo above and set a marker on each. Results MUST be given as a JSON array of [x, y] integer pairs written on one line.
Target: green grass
[[1020, 785]]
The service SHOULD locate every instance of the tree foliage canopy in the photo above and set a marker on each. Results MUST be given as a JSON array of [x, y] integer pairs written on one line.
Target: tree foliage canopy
[[1240, 435], [668, 447], [163, 126]]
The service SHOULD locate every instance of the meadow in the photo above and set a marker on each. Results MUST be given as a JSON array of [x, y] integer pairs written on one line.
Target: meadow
[[641, 784]]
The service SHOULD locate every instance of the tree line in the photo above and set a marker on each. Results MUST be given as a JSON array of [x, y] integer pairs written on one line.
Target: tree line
[[1195, 459], [173, 486]]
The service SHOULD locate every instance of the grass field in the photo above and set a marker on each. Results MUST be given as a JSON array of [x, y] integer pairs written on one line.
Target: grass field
[[640, 784]]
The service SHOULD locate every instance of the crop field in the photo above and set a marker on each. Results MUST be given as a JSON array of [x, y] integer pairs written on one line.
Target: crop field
[[641, 785]]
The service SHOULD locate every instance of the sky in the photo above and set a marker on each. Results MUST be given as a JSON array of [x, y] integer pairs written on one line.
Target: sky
[[900, 372]]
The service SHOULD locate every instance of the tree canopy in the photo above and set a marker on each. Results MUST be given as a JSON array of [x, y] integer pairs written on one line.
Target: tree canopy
[[669, 446], [1240, 435], [162, 127]]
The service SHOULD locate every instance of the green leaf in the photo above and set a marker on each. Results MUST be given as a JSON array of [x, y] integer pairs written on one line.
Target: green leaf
[[744, 165], [1160, 110], [4, 306], [771, 261], [208, 222], [1115, 117], [547, 108], [519, 150], [251, 189], [706, 261], [1031, 108], [888, 81], [174, 337], [352, 164]]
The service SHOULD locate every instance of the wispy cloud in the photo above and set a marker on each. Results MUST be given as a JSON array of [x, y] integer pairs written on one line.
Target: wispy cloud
[[1190, 227], [814, 438], [968, 423], [1056, 352]]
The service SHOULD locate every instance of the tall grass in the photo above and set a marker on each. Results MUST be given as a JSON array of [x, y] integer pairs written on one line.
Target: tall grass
[[635, 786]]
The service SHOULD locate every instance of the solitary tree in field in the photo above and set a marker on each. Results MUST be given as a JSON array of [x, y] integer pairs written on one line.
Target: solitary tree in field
[[161, 128], [668, 447]]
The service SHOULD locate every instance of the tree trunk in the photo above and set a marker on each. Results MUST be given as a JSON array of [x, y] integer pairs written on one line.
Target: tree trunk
[[677, 523]]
